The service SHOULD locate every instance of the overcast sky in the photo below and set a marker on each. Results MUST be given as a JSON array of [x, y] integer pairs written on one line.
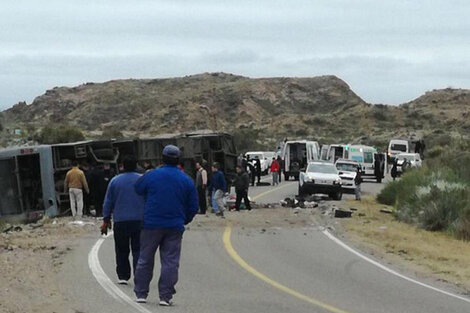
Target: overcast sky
[[387, 51]]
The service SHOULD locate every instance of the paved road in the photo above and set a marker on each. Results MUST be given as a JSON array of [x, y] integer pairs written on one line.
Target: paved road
[[293, 270]]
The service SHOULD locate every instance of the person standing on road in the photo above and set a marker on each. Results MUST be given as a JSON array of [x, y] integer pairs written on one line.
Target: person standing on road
[[394, 171], [201, 185], [241, 184], [170, 203], [275, 169], [258, 168], [357, 183], [126, 208], [279, 161], [251, 171], [218, 188], [75, 183]]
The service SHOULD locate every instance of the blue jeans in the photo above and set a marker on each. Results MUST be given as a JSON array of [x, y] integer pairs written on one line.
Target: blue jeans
[[169, 242], [214, 203]]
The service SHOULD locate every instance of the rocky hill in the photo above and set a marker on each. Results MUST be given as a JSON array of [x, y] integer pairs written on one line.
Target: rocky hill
[[262, 110]]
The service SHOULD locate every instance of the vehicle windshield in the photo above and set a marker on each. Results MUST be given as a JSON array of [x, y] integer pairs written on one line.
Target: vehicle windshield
[[322, 168], [347, 167], [254, 155], [398, 147]]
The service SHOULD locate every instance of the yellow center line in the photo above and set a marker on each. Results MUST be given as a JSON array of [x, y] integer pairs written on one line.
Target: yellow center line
[[237, 258]]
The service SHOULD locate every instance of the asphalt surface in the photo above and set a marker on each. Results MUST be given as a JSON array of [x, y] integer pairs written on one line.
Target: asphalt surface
[[282, 266]]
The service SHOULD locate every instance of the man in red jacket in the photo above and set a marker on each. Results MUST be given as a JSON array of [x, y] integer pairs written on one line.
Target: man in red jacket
[[275, 169]]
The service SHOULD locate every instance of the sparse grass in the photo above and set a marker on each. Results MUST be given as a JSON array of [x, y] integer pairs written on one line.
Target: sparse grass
[[431, 253]]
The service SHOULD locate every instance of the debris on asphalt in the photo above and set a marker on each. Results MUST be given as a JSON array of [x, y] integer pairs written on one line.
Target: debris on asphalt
[[339, 213], [263, 184], [386, 211]]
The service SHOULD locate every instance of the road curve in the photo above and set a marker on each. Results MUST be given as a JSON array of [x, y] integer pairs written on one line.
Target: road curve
[[288, 270]]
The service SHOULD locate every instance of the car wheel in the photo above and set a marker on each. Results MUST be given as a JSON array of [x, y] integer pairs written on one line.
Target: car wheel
[[296, 177]]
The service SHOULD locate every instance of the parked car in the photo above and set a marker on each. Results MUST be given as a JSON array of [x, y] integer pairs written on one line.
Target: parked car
[[321, 177], [397, 146], [347, 170], [296, 155], [413, 160]]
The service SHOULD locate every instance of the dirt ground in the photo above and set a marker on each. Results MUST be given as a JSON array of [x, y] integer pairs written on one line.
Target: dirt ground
[[30, 260]]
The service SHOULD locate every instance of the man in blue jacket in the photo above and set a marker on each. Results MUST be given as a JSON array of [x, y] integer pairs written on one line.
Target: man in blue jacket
[[171, 202], [126, 208], [218, 188]]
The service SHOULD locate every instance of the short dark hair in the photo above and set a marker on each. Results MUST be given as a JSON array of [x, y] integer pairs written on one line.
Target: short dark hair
[[216, 165], [239, 166], [129, 163], [74, 163]]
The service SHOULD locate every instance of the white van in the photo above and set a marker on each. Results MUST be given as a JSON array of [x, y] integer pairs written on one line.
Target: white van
[[336, 152], [397, 146], [296, 155], [365, 156]]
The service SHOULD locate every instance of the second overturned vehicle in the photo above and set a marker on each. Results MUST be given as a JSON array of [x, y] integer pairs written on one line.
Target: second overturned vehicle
[[321, 178]]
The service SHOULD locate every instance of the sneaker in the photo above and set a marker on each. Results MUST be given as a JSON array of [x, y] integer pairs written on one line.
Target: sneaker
[[141, 300], [122, 282], [165, 303]]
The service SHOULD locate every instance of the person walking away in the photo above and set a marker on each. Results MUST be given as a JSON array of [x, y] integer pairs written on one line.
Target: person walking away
[[357, 183], [251, 171], [241, 184], [258, 168], [126, 208], [170, 204], [75, 183], [218, 188], [394, 171], [275, 168], [201, 186]]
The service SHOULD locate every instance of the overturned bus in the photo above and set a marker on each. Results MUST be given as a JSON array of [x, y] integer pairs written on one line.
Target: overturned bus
[[195, 147], [32, 178], [27, 183]]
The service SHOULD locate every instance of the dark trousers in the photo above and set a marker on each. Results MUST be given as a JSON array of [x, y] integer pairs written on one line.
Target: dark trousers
[[169, 242], [242, 194], [202, 199], [252, 176], [258, 174], [126, 238]]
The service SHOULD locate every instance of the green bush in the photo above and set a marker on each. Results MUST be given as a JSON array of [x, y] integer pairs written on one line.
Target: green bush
[[112, 132], [59, 134], [437, 196]]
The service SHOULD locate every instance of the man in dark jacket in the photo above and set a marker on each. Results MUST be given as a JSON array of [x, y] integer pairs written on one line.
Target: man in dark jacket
[[241, 184], [258, 168], [201, 185], [170, 203], [357, 183]]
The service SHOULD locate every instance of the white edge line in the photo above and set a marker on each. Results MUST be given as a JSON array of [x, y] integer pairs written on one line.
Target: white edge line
[[111, 288], [383, 267]]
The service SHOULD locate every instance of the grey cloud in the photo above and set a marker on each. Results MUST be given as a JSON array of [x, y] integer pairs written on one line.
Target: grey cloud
[[388, 51]]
